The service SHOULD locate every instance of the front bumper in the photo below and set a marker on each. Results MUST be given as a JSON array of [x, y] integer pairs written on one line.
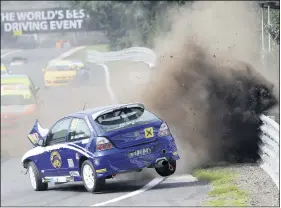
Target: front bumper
[[117, 160]]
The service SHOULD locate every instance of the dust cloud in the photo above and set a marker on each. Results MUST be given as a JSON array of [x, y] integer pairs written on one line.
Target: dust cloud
[[209, 84]]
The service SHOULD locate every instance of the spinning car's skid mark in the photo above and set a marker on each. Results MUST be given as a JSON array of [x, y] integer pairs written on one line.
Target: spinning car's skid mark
[[148, 186]]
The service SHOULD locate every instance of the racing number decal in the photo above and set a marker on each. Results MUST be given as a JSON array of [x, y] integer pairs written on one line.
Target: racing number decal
[[55, 159], [148, 132]]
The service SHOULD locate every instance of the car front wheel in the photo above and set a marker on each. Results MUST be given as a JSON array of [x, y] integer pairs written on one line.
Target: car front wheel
[[90, 180], [35, 178], [167, 170]]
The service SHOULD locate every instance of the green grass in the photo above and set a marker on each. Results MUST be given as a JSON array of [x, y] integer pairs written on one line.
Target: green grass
[[82, 54], [224, 191]]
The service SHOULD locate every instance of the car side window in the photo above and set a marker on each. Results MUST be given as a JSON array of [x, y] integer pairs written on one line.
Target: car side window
[[58, 132], [79, 130]]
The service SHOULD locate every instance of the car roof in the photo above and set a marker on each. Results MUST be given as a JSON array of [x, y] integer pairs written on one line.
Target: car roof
[[90, 111], [15, 89], [100, 110], [16, 76], [60, 62], [76, 61]]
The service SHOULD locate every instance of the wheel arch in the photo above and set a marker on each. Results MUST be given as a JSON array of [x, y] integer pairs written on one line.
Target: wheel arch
[[25, 162], [81, 160]]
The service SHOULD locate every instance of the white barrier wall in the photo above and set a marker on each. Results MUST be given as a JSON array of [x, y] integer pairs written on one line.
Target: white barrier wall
[[269, 149], [137, 54]]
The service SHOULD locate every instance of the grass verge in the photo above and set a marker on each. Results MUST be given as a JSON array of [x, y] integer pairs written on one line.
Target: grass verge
[[82, 54], [224, 191]]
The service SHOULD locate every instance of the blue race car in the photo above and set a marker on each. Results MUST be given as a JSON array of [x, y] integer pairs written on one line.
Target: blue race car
[[96, 144]]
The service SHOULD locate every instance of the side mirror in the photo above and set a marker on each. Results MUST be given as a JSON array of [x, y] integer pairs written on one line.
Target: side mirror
[[41, 142]]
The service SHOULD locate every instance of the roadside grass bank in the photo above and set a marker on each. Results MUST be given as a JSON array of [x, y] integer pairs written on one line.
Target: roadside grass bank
[[224, 191], [239, 185], [82, 54]]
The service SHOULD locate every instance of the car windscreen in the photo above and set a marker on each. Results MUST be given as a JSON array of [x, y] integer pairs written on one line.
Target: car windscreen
[[124, 117], [60, 68], [18, 99]]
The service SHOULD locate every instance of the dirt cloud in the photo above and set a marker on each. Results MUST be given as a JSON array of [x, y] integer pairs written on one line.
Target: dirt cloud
[[209, 84]]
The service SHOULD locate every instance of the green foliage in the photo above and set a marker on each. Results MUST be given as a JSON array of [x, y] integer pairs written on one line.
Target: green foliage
[[224, 191], [131, 23], [128, 23]]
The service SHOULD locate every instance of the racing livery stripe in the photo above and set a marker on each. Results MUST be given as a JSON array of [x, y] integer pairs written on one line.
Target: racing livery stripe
[[81, 148], [39, 150]]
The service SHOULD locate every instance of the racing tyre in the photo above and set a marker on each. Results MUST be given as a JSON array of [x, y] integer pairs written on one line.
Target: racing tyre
[[90, 180], [35, 178], [166, 170]]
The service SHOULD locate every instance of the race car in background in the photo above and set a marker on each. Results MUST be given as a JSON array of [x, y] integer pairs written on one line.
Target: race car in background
[[64, 72], [17, 61], [18, 106], [20, 79], [96, 144]]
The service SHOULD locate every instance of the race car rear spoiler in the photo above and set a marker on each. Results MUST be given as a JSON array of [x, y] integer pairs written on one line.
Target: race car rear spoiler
[[117, 107]]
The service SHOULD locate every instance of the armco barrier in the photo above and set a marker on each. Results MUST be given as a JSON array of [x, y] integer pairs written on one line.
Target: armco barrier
[[137, 54], [269, 149]]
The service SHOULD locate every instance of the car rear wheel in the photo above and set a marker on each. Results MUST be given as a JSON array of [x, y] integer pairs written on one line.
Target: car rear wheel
[[35, 178], [90, 180], [167, 170]]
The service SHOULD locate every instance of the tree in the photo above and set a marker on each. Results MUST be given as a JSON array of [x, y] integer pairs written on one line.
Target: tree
[[128, 23]]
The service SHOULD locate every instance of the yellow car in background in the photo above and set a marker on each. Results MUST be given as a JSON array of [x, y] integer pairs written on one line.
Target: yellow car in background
[[4, 70], [21, 79], [64, 72]]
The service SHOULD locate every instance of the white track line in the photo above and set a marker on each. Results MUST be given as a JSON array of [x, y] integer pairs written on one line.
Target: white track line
[[150, 185], [6, 54], [108, 86]]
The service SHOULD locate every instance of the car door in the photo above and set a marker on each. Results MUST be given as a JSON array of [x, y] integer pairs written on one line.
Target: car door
[[53, 157], [78, 138]]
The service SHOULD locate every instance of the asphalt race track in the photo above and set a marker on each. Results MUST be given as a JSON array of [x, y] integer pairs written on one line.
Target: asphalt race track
[[124, 190]]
